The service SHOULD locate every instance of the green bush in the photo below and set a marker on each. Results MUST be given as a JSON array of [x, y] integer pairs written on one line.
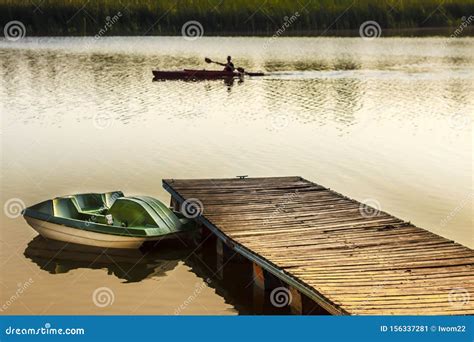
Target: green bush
[[240, 17]]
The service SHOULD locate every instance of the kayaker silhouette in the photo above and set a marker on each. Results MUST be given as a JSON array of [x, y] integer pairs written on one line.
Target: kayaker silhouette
[[229, 66]]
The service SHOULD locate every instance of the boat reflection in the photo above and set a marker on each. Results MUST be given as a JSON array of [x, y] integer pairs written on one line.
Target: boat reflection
[[227, 81], [230, 81], [132, 266], [233, 280]]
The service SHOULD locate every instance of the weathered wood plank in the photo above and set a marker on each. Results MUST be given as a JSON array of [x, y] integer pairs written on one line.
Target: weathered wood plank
[[352, 263]]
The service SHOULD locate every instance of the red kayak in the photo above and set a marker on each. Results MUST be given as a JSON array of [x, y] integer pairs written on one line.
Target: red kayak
[[189, 74]]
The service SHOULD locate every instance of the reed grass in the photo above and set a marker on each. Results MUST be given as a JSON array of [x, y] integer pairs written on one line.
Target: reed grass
[[239, 17]]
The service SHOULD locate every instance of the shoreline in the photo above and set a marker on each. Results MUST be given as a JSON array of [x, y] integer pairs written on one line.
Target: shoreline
[[441, 32], [244, 18]]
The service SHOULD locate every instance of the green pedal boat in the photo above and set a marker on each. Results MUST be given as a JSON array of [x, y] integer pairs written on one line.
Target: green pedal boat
[[106, 220]]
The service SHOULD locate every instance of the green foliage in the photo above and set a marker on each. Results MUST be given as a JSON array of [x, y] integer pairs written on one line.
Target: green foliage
[[246, 17]]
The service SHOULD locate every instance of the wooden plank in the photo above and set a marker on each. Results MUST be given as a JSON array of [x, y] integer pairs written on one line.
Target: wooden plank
[[318, 241]]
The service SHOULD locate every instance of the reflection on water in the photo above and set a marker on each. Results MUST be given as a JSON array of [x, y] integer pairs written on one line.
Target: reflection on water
[[233, 282], [389, 120], [228, 81], [58, 257]]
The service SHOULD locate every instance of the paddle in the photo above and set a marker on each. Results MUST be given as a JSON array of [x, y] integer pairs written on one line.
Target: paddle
[[239, 69], [208, 60]]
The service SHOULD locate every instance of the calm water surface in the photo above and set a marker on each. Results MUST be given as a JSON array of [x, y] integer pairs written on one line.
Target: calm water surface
[[388, 120]]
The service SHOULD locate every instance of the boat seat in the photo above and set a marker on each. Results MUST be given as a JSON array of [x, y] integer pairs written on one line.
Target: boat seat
[[109, 197], [65, 207], [129, 211], [89, 202], [68, 208]]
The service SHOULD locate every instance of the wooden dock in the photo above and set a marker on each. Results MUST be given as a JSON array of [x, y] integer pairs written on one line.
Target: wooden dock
[[343, 255]]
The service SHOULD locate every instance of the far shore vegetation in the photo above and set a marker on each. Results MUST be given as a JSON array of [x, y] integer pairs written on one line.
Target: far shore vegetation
[[235, 17]]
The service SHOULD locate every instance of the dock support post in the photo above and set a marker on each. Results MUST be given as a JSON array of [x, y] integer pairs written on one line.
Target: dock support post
[[174, 204], [258, 277], [296, 305], [258, 287], [265, 280], [220, 262], [223, 256]]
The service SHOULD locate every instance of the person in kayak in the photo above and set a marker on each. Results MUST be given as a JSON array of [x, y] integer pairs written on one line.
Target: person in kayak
[[229, 66]]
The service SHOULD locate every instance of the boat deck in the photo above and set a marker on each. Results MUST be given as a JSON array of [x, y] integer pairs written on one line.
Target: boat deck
[[347, 257]]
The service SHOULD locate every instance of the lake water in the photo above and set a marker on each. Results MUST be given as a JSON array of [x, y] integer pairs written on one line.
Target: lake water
[[388, 120]]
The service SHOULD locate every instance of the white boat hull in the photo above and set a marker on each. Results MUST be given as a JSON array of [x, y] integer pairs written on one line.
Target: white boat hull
[[59, 232]]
